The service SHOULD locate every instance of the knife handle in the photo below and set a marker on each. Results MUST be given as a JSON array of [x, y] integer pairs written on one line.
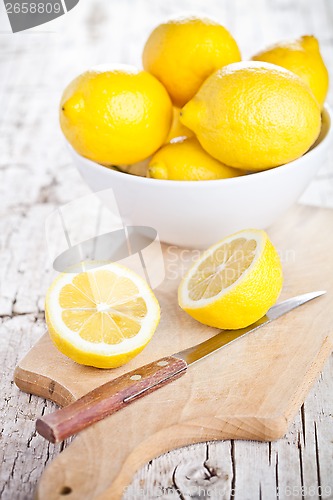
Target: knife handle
[[109, 398]]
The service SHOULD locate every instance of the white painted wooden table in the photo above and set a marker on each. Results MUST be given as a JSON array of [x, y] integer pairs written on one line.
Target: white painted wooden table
[[36, 175]]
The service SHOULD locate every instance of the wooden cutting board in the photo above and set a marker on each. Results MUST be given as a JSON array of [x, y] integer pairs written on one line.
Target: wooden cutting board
[[250, 390]]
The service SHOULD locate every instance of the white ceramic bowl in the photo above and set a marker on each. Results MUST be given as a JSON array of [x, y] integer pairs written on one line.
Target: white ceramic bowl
[[196, 214]]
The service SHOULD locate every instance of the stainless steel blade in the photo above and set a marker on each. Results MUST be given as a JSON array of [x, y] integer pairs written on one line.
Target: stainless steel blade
[[225, 337]]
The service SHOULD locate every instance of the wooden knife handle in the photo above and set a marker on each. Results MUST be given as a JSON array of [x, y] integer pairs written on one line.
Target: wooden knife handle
[[109, 398]]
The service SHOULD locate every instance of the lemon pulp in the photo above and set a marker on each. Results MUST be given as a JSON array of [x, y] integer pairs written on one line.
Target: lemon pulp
[[102, 317]]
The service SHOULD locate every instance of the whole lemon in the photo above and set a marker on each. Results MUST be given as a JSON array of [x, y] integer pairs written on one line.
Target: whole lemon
[[120, 116], [254, 116], [182, 53], [302, 57], [183, 159], [177, 128]]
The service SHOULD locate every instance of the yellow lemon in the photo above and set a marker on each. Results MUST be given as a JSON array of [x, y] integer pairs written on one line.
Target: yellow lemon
[[234, 283], [302, 57], [182, 53], [254, 116], [183, 159], [102, 317], [177, 128], [120, 116]]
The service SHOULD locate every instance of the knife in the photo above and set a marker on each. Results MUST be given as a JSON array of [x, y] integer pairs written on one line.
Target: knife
[[124, 390]]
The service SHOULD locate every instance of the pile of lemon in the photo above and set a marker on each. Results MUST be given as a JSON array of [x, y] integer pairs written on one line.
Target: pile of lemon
[[196, 112]]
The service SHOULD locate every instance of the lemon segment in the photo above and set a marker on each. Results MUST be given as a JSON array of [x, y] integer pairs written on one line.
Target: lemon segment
[[183, 159], [302, 57], [102, 317], [254, 116], [234, 283], [182, 53]]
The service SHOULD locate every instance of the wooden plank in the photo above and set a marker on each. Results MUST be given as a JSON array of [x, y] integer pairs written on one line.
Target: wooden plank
[[22, 454]]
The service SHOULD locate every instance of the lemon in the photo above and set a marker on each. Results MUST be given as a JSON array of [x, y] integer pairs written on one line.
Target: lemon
[[234, 283], [177, 128], [102, 317], [115, 117], [254, 116], [302, 57], [183, 159], [182, 53]]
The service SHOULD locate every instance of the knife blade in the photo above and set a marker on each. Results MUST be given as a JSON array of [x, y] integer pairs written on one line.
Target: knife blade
[[225, 337], [122, 391]]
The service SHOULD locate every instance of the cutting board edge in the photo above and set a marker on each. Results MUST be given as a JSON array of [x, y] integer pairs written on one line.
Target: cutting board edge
[[47, 388], [311, 377]]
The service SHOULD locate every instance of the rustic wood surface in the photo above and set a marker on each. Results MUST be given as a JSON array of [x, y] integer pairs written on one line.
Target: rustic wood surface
[[36, 175], [241, 393]]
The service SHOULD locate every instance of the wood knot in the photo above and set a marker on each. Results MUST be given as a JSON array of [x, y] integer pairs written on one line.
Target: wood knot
[[201, 479]]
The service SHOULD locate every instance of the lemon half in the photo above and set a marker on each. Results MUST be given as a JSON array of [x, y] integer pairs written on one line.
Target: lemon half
[[234, 283], [103, 317]]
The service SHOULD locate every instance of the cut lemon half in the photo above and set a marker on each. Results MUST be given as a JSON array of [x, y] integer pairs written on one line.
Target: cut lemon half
[[234, 283], [103, 317]]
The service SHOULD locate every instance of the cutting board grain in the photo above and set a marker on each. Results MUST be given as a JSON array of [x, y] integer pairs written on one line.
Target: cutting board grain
[[250, 390]]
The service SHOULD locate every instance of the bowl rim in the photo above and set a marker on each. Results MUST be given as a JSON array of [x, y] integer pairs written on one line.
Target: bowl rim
[[213, 182]]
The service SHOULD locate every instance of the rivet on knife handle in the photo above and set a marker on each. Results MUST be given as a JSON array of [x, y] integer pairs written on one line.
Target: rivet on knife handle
[[109, 398]]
